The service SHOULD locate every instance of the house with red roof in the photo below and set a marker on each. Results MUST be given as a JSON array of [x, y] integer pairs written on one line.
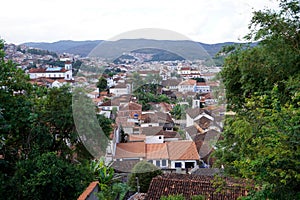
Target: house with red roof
[[181, 154]]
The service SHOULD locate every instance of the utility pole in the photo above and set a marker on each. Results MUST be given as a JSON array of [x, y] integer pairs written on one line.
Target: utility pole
[[137, 184]]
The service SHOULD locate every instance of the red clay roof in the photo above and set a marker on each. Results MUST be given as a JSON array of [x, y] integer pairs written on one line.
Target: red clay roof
[[130, 150], [183, 150], [175, 150], [157, 151], [188, 82], [201, 84], [190, 185], [44, 70], [133, 138], [37, 70], [185, 68], [88, 191], [194, 112], [169, 134], [131, 106]]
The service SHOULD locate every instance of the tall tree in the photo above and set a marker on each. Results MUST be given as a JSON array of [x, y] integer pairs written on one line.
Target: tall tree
[[261, 142], [16, 112], [48, 177], [102, 84], [37, 139]]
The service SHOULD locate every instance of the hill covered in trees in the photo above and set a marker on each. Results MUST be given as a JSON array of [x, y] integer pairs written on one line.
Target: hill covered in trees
[[83, 48]]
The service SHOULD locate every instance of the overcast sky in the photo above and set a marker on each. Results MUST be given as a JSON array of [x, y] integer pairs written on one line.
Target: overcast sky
[[208, 21]]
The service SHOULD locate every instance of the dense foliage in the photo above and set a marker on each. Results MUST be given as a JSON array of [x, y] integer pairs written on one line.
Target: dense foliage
[[150, 93], [261, 142], [41, 155], [102, 84], [142, 174], [111, 187]]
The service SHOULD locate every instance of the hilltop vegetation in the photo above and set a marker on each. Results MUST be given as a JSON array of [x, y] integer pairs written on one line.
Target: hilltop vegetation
[[83, 48]]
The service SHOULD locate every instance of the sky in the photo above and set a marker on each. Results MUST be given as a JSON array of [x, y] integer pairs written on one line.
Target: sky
[[208, 21]]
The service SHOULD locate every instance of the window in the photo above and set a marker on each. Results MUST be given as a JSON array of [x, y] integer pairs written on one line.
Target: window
[[178, 165], [163, 163], [150, 161], [157, 163]]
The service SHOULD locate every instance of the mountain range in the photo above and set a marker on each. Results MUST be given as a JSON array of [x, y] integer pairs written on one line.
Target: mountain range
[[113, 49]]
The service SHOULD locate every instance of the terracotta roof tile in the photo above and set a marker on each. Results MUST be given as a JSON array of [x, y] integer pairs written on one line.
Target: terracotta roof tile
[[169, 134], [190, 185], [134, 138], [88, 191], [188, 82], [201, 84], [194, 112], [131, 106], [183, 150], [192, 131], [157, 151], [150, 130], [207, 171], [171, 82], [130, 150], [157, 117], [203, 122]]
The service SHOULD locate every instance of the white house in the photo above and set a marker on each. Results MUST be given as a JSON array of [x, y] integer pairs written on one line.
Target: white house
[[174, 154], [194, 114], [202, 87], [120, 89], [187, 85], [52, 72]]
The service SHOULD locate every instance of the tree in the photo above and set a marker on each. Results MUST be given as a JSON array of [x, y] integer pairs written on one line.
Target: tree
[[37, 139], [178, 111], [48, 177], [16, 114], [102, 84], [110, 187], [262, 145], [57, 114], [250, 69], [105, 124], [262, 87], [143, 172], [93, 129]]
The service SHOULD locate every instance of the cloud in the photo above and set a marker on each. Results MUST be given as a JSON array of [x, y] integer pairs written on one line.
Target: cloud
[[205, 21]]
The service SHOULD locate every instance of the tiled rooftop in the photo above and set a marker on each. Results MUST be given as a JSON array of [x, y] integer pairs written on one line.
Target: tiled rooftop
[[130, 150], [190, 185], [175, 150], [157, 151], [183, 150], [194, 112]]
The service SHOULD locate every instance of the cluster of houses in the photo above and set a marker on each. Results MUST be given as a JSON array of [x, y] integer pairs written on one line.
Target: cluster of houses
[[52, 76], [35, 65], [154, 135]]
